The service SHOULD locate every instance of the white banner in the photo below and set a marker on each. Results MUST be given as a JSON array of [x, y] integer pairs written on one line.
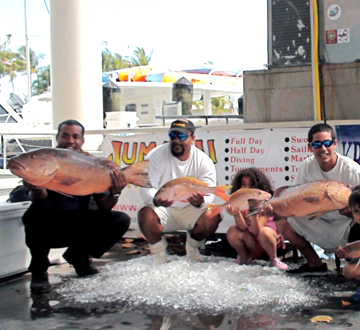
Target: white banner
[[277, 152]]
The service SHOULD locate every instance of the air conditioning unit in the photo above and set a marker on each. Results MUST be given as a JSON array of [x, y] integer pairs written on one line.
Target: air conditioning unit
[[172, 108]]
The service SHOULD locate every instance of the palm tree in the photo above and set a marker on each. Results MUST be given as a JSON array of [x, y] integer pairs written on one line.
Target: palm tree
[[10, 62], [110, 61], [140, 57], [34, 59], [42, 83]]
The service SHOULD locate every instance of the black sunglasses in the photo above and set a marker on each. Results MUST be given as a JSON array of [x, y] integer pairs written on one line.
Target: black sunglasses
[[181, 136], [318, 144]]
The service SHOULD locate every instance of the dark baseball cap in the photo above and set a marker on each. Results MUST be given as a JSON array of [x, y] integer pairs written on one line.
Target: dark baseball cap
[[183, 126]]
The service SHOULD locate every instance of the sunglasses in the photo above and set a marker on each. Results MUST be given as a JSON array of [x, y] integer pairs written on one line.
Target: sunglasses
[[181, 136], [318, 144]]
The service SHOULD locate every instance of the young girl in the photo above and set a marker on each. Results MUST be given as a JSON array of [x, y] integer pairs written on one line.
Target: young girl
[[254, 237], [351, 270]]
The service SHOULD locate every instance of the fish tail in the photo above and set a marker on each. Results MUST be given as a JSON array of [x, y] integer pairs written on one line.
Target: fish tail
[[254, 206], [138, 174], [215, 209], [220, 191]]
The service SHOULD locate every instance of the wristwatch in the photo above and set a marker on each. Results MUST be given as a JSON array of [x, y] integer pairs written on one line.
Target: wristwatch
[[114, 195]]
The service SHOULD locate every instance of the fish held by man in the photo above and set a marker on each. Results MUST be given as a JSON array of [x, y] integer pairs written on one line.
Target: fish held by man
[[180, 189], [72, 172], [308, 200], [239, 199]]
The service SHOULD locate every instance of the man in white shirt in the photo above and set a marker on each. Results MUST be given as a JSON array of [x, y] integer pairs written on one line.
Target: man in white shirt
[[332, 229], [179, 158]]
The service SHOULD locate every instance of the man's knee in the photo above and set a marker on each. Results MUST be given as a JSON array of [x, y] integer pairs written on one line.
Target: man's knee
[[120, 218], [146, 214], [207, 226]]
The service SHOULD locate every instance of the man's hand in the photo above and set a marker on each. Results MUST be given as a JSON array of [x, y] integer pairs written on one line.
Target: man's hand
[[163, 202], [36, 192], [196, 199], [118, 181]]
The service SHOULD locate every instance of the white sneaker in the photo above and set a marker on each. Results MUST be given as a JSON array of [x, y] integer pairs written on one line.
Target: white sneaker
[[192, 253], [159, 251], [160, 258]]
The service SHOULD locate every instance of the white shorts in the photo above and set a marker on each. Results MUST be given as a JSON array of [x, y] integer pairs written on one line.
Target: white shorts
[[177, 218], [328, 234]]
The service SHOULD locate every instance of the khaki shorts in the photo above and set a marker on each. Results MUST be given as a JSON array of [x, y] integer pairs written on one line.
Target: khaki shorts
[[177, 218], [328, 234]]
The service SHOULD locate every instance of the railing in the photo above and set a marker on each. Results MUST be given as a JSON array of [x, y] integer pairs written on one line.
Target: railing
[[206, 117], [13, 145]]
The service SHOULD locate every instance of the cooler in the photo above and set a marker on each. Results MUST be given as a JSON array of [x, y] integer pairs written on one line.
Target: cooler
[[14, 255]]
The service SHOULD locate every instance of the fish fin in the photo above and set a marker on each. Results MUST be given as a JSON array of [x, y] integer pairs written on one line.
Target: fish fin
[[280, 190], [254, 206], [312, 200], [357, 265], [313, 216], [220, 191], [138, 174], [215, 209], [66, 181], [59, 192], [85, 153]]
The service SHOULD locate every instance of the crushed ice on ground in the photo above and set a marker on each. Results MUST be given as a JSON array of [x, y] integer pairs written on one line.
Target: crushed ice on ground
[[214, 284]]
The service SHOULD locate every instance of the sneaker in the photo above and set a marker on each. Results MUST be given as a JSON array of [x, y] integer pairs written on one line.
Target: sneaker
[[40, 283], [240, 262], [160, 258], [192, 253], [82, 264], [279, 264], [306, 270], [355, 297]]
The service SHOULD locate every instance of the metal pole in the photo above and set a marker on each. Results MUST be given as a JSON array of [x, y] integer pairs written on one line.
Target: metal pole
[[27, 55]]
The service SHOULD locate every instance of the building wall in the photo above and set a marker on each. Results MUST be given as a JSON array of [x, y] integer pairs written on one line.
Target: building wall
[[286, 94]]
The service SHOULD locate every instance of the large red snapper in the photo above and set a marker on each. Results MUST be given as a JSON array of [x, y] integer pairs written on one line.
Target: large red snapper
[[311, 200], [73, 172], [180, 189], [239, 199]]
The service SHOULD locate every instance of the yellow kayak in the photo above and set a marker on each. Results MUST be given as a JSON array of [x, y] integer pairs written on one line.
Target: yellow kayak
[[137, 73]]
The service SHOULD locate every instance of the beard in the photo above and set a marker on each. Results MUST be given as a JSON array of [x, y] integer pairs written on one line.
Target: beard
[[177, 153]]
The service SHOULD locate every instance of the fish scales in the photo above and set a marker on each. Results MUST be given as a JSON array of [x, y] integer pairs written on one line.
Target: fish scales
[[73, 172], [239, 199], [180, 189], [311, 200]]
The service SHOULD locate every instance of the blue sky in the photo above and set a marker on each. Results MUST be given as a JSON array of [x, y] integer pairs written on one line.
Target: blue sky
[[230, 33]]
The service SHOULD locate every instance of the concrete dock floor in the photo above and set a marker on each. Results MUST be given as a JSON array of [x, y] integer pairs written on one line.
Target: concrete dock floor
[[19, 309]]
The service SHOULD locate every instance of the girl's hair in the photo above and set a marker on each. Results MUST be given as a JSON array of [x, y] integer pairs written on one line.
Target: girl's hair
[[354, 198], [258, 180]]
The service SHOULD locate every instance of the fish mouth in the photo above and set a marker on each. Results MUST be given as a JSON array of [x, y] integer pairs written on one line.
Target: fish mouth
[[15, 167]]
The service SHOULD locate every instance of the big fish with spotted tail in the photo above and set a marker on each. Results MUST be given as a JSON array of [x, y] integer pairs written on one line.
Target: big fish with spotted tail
[[307, 200]]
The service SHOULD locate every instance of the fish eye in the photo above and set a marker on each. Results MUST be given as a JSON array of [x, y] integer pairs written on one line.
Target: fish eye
[[33, 156]]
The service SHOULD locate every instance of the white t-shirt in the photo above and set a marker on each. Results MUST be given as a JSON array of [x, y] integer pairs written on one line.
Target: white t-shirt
[[346, 171], [165, 167]]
